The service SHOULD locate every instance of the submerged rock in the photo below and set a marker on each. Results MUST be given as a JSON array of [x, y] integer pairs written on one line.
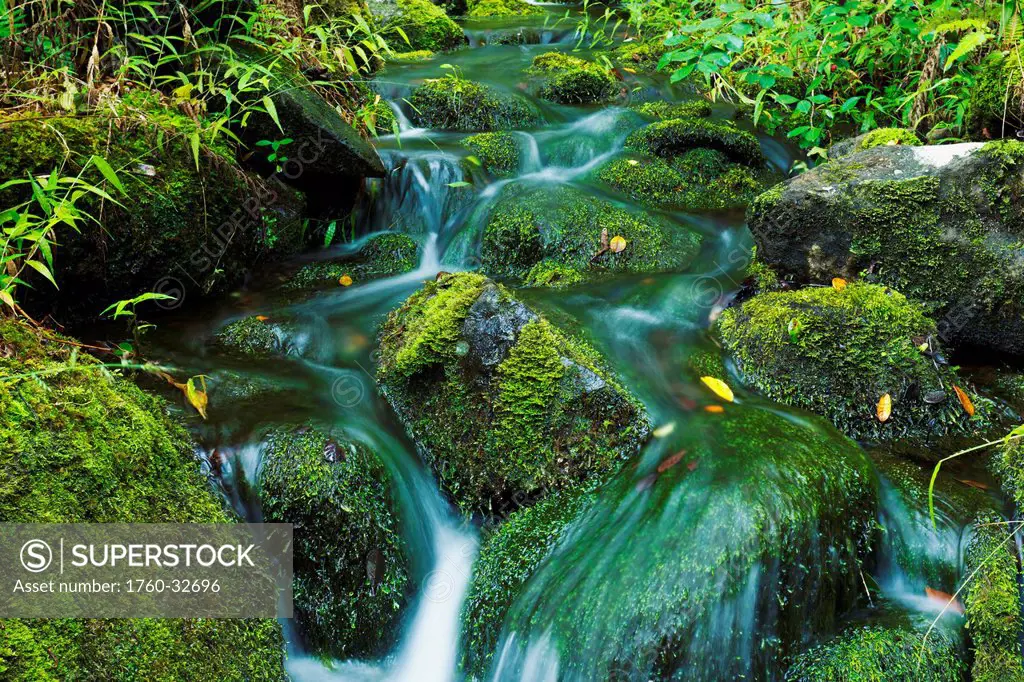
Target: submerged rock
[[837, 352], [689, 164], [181, 231], [880, 652], [453, 103], [570, 80], [382, 255], [551, 236], [714, 563], [86, 446], [351, 572], [255, 336], [941, 224], [500, 403]]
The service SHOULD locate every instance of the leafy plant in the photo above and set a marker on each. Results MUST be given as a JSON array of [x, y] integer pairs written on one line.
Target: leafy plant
[[275, 156]]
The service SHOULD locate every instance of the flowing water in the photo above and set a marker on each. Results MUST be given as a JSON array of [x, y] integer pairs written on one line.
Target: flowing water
[[580, 617]]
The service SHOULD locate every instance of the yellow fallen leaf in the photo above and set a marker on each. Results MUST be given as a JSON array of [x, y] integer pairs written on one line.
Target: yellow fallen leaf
[[628, 70], [345, 281], [884, 409], [262, 318], [633, 162], [838, 283], [617, 244], [719, 388], [714, 409], [663, 431], [197, 396], [965, 400]]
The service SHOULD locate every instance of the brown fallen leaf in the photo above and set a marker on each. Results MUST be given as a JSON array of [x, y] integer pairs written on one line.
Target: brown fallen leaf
[[670, 461], [943, 598], [838, 283], [965, 400], [692, 465], [973, 484], [262, 318], [884, 408]]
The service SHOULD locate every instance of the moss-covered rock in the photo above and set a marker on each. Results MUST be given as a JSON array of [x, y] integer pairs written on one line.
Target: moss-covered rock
[[177, 228], [507, 559], [454, 103], [501, 8], [383, 255], [425, 24], [81, 445], [552, 235], [663, 110], [941, 224], [501, 403], [412, 56], [992, 603], [689, 164], [498, 153], [253, 336], [874, 653], [640, 56], [838, 352], [570, 80], [995, 107], [351, 572], [875, 138], [757, 523]]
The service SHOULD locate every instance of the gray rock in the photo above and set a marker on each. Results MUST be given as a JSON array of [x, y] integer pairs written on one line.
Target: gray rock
[[492, 326]]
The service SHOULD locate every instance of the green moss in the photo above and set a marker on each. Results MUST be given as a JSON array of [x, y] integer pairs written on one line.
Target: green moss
[[332, 488], [562, 227], [426, 25], [673, 137], [759, 508], [1009, 466], [551, 273], [992, 602], [498, 153], [455, 103], [506, 408], [501, 8], [660, 109], [698, 180], [764, 277], [571, 80], [413, 56], [85, 446], [507, 559], [837, 352], [383, 255], [991, 110], [882, 654], [639, 56], [706, 363], [381, 117], [158, 230], [889, 136]]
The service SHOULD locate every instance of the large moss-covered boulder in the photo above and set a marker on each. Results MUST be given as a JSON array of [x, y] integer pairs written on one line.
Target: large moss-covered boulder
[[689, 164], [426, 25], [837, 352], [177, 230], [991, 596], [80, 445], [500, 402], [324, 149], [566, 79], [454, 103], [382, 255], [351, 572], [552, 236], [714, 563], [873, 653], [941, 224]]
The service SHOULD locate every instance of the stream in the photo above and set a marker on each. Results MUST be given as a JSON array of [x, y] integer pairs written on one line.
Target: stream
[[646, 326]]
